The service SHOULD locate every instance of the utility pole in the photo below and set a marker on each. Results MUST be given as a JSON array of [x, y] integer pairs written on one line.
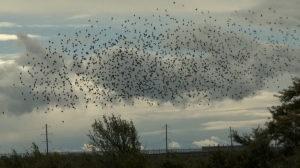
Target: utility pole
[[230, 137], [167, 138], [47, 137]]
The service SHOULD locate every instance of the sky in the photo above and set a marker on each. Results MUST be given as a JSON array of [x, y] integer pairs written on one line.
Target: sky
[[200, 67]]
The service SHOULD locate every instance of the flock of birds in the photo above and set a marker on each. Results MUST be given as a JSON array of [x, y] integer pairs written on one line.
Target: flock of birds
[[162, 59]]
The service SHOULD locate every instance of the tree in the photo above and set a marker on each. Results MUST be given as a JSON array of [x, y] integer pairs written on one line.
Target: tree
[[114, 136], [257, 151], [285, 124], [284, 127]]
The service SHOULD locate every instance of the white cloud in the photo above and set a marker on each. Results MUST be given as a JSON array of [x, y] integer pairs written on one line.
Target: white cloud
[[85, 147], [174, 144], [7, 62], [80, 16], [58, 26], [56, 150], [88, 147], [205, 142], [9, 56], [6, 37], [217, 139], [212, 141], [217, 125], [8, 24]]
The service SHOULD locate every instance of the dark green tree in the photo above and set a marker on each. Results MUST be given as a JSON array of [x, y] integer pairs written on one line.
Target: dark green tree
[[257, 150], [285, 123], [284, 127], [115, 136]]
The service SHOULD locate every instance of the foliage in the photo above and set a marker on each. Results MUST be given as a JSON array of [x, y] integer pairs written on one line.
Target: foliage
[[219, 158], [16, 162], [214, 159], [173, 161], [257, 150], [115, 137], [133, 161], [285, 124]]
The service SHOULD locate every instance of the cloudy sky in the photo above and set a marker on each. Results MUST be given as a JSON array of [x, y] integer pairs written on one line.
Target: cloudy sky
[[200, 66]]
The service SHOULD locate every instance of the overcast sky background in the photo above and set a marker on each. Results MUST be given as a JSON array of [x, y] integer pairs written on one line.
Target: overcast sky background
[[27, 27]]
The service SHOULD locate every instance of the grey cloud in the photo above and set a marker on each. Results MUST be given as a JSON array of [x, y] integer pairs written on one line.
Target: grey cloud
[[211, 63], [12, 101], [37, 79], [91, 7], [275, 14], [257, 108], [244, 63]]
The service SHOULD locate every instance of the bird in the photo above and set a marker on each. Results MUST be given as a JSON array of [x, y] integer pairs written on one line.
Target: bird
[[157, 62]]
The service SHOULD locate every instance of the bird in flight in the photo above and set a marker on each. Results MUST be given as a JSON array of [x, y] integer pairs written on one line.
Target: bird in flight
[[160, 59]]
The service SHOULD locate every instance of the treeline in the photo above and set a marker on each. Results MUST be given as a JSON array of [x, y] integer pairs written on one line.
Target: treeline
[[118, 141], [251, 157]]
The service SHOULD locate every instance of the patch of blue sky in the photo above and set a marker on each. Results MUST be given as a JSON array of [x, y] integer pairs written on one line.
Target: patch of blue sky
[[46, 28], [7, 47]]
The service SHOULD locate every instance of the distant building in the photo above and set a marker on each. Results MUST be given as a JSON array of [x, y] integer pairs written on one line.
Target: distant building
[[210, 148]]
